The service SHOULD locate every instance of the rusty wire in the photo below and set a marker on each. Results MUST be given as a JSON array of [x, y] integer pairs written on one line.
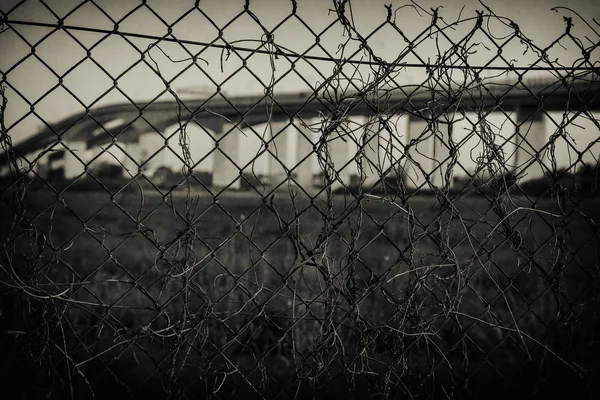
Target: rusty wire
[[383, 283]]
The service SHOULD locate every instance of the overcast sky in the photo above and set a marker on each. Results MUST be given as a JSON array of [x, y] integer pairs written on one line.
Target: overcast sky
[[88, 82]]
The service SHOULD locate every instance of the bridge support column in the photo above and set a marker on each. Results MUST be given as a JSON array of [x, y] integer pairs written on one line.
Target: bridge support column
[[279, 152], [371, 161], [441, 152], [131, 158], [428, 150], [41, 167], [392, 136], [335, 157], [338, 150], [305, 149], [72, 167], [225, 171], [150, 143], [531, 137], [420, 144], [365, 143]]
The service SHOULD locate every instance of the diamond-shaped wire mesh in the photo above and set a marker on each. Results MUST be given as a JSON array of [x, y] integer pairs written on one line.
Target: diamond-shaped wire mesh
[[221, 201]]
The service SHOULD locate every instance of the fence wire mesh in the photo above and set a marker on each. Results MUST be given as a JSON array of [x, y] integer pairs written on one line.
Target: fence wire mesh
[[418, 226]]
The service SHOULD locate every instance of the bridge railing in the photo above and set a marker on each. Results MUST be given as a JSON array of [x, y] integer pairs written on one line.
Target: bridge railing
[[334, 229]]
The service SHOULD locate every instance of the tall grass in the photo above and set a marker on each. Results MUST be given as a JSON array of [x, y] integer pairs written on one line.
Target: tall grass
[[250, 297]]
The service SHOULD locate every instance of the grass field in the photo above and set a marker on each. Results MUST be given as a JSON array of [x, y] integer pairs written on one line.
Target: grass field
[[261, 296]]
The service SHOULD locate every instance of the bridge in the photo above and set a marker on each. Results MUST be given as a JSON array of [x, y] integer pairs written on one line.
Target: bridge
[[412, 127]]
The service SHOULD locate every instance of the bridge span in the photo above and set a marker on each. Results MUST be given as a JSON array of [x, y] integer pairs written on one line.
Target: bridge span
[[413, 131]]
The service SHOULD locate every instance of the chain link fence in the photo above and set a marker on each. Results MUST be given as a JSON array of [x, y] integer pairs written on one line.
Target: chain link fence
[[421, 226]]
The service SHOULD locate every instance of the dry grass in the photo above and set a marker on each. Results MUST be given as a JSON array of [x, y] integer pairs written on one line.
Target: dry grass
[[390, 306]]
